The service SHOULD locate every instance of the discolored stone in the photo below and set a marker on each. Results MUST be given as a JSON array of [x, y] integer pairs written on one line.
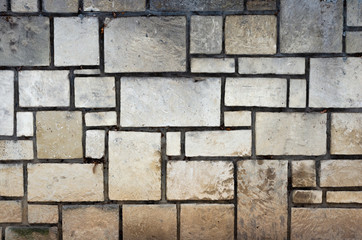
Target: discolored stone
[[237, 118], [24, 5], [213, 65], [297, 93], [95, 143], [206, 221], [30, 233], [197, 5], [10, 211], [11, 180], [7, 103], [303, 173], [3, 8], [90, 222], [173, 143], [200, 180], [16, 150], [42, 213], [307, 196], [63, 6], [262, 199], [341, 173], [354, 13], [311, 26], [261, 4], [344, 197], [353, 41], [101, 118], [24, 124], [265, 65], [25, 41], [114, 5], [149, 222]]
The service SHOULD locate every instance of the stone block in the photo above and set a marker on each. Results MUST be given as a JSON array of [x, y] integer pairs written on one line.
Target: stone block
[[341, 173], [237, 118], [24, 6], [353, 41], [10, 211], [42, 213], [173, 143], [268, 65], [114, 5], [212, 65], [307, 196], [16, 150], [344, 197], [30, 233], [95, 143], [101, 119], [297, 93], [7, 103], [24, 124], [11, 180], [303, 173], [261, 5], [63, 6], [199, 5], [354, 13]]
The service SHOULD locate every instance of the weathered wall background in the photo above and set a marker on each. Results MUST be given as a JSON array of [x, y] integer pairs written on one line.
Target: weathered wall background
[[164, 119]]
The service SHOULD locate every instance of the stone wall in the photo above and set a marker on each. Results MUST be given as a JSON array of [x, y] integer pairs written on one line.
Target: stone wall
[[188, 119]]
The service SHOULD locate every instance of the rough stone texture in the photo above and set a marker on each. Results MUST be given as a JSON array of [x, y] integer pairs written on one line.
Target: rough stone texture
[[145, 44], [134, 166], [16, 150], [354, 13], [91, 222], [303, 173], [218, 143], [65, 182], [149, 222], [95, 92], [344, 197], [197, 5], [30, 233], [260, 92], [24, 5], [72, 49], [3, 8], [237, 118], [24, 124], [341, 173], [335, 82], [7, 102], [183, 102], [200, 180], [42, 213], [206, 34], [326, 223], [63, 6], [114, 5], [173, 143], [101, 118], [290, 133], [271, 65], [10, 211], [353, 41], [261, 4], [44, 88], [297, 93], [311, 26], [346, 133], [307, 196], [213, 65], [206, 221], [59, 134], [11, 180], [262, 199], [25, 41], [250, 34], [95, 143]]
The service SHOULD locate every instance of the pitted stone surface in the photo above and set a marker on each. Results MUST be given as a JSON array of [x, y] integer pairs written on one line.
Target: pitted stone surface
[[11, 180], [307, 196], [24, 5], [197, 5], [16, 150], [114, 5], [63, 6], [30, 233], [353, 41], [341, 173], [7, 102], [42, 213], [10, 211]]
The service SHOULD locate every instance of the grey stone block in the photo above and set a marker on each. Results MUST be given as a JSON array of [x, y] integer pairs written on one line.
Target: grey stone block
[[197, 5]]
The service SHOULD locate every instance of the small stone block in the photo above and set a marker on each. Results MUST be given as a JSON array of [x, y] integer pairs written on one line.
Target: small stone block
[[173, 143]]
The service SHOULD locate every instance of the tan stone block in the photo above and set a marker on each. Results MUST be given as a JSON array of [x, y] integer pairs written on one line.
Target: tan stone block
[[238, 118], [173, 143], [11, 180], [31, 233], [307, 196], [42, 213], [149, 222], [303, 173], [344, 197], [341, 173], [16, 150], [10, 211], [207, 221]]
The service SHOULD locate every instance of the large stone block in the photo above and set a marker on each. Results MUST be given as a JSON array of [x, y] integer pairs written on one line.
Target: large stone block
[[114, 5], [7, 103], [30, 233], [11, 180], [197, 5], [341, 173]]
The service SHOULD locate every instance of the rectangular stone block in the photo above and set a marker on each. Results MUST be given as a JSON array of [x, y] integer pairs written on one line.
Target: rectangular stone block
[[213, 65], [341, 173], [10, 211], [11, 180], [353, 41], [44, 88], [200, 5], [63, 6], [354, 13], [307, 196], [65, 182], [261, 4], [42, 213], [16, 150], [7, 103], [262, 199], [24, 6], [114, 5], [87, 71], [134, 165], [101, 119], [237, 118], [95, 143], [297, 93], [290, 133], [24, 124], [145, 44], [25, 41], [173, 143], [268, 65], [303, 173], [335, 82], [3, 8], [27, 233], [218, 143], [200, 180], [259, 92], [344, 197], [183, 102]]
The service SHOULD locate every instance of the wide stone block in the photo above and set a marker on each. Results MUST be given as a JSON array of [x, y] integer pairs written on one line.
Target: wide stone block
[[7, 102], [11, 180], [100, 118], [270, 65], [304, 173], [42, 213], [10, 211], [237, 118], [212, 65], [354, 13], [63, 6], [307, 196], [261, 4], [114, 5], [30, 233], [199, 5], [344, 197], [16, 150], [341, 173], [24, 6]]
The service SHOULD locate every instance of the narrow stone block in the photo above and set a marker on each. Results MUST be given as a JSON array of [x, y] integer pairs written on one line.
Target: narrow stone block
[[16, 150], [307, 196], [237, 118], [95, 143], [297, 93], [354, 13], [101, 119], [24, 124], [29, 233], [114, 5], [268, 65], [199, 5], [261, 4], [11, 180], [10, 211], [212, 65], [344, 197], [6, 102], [341, 173], [42, 213], [303, 173], [63, 6], [173, 143]]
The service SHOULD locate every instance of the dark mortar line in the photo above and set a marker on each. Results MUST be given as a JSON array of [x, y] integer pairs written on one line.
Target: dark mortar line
[[51, 35], [245, 4], [49, 68], [253, 135], [8, 3], [307, 74], [183, 143], [120, 222], [148, 5], [163, 167], [237, 65], [353, 28], [278, 55], [328, 133], [157, 129], [223, 51], [188, 36], [222, 103], [344, 26], [35, 150], [334, 205], [88, 110], [40, 6], [71, 90], [324, 196], [355, 189], [24, 203], [60, 221], [235, 163], [80, 6], [106, 168], [16, 101], [317, 171], [15, 138], [178, 220], [83, 136], [118, 100], [101, 29], [288, 92], [301, 110], [290, 200], [3, 233], [278, 25]]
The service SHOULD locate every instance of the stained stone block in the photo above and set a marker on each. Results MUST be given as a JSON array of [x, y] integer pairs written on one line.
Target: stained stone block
[[30, 233], [42, 213], [311, 26], [354, 13], [354, 41], [24, 5], [6, 102], [341, 173], [197, 5], [344, 197], [261, 4], [11, 180], [114, 5], [10, 211], [16, 150], [307, 196], [303, 173], [63, 6], [101, 118], [3, 8], [25, 41], [24, 124]]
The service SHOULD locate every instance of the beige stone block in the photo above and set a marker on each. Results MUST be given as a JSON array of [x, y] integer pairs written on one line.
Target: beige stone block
[[42, 213], [341, 173], [173, 143], [24, 124], [30, 233], [307, 196], [101, 119], [268, 65], [303, 173], [16, 150], [10, 211], [95, 143], [344, 197], [297, 93], [212, 65], [237, 118], [11, 180]]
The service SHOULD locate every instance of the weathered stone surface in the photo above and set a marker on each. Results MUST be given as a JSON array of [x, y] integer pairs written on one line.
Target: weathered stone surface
[[24, 124], [341, 173], [95, 143], [237, 118], [30, 233], [173, 143], [207, 221], [72, 49], [44, 88], [206, 34], [344, 197], [11, 180], [200, 180], [213, 65], [16, 150], [260, 92], [251, 34], [303, 173], [326, 223], [87, 71], [101, 118], [218, 143], [307, 196], [95, 92], [268, 65], [261, 4], [3, 8], [353, 41], [290, 133], [311, 26], [145, 44], [197, 5], [297, 93], [24, 5], [149, 222], [65, 182], [25, 41], [134, 166], [10, 211], [114, 5], [42, 213], [64, 6], [183, 102], [7, 102], [91, 222], [262, 199], [59, 134], [335, 82], [346, 133], [354, 13]]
